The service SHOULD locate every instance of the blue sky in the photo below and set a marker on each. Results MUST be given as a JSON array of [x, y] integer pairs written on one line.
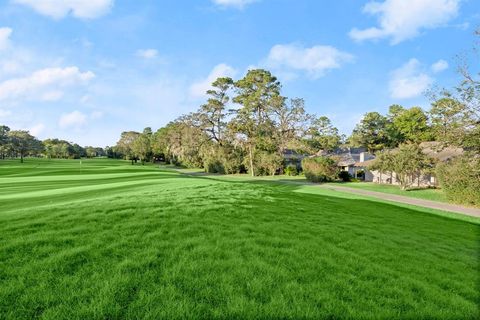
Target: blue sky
[[86, 70]]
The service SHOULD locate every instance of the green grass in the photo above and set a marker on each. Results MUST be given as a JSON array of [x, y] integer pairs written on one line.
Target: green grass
[[111, 240], [426, 194]]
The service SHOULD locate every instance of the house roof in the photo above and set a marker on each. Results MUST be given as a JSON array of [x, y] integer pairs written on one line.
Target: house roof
[[433, 149], [347, 159], [439, 151], [365, 163]]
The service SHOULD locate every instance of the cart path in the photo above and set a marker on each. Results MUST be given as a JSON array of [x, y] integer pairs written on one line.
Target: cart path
[[473, 212]]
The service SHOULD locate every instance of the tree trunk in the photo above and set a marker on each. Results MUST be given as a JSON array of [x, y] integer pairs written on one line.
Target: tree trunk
[[251, 161], [21, 157]]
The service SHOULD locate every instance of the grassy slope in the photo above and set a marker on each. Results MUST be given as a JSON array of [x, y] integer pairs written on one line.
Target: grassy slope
[[121, 241], [427, 194]]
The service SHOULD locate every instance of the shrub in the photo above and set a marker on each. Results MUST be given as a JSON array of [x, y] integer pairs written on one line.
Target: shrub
[[267, 163], [460, 180], [344, 176], [407, 161], [291, 170], [320, 169], [213, 166], [222, 159]]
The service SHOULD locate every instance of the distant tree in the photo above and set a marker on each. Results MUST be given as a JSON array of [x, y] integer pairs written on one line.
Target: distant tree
[[469, 88], [394, 136], [23, 143], [411, 125], [256, 93], [141, 146], [320, 169], [408, 162], [469, 95], [449, 122], [90, 152], [77, 151], [212, 115], [371, 132], [125, 144], [112, 152], [4, 141], [322, 135]]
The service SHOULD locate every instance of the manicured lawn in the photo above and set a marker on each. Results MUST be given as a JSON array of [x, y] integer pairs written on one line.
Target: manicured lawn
[[427, 194], [108, 240]]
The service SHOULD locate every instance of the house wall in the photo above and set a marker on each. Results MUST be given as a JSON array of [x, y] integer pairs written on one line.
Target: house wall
[[368, 175], [424, 180], [351, 170]]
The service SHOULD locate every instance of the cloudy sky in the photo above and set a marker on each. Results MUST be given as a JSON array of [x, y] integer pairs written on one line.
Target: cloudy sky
[[86, 70]]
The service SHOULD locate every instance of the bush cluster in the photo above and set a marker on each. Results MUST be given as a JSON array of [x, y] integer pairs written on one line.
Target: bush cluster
[[222, 160], [320, 169], [291, 170], [460, 179], [344, 176]]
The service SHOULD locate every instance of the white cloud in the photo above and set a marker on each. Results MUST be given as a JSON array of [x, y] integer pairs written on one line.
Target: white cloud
[[147, 53], [45, 84], [409, 81], [400, 20], [315, 61], [439, 66], [57, 9], [10, 66], [199, 88], [5, 38], [239, 4], [73, 119], [96, 115], [54, 95], [37, 129], [5, 113]]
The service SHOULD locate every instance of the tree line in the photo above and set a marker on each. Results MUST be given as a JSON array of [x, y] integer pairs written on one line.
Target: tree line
[[244, 126], [20, 143], [247, 125]]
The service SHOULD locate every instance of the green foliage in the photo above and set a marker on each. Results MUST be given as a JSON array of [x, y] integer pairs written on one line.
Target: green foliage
[[291, 170], [344, 176], [460, 179], [320, 169], [267, 163], [322, 135], [412, 125], [56, 148], [223, 159], [371, 132], [23, 143], [471, 141], [4, 141], [449, 120], [257, 92], [141, 146], [126, 144], [408, 162]]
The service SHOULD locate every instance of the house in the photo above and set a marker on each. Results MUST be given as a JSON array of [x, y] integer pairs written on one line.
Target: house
[[292, 157], [354, 161], [433, 149]]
